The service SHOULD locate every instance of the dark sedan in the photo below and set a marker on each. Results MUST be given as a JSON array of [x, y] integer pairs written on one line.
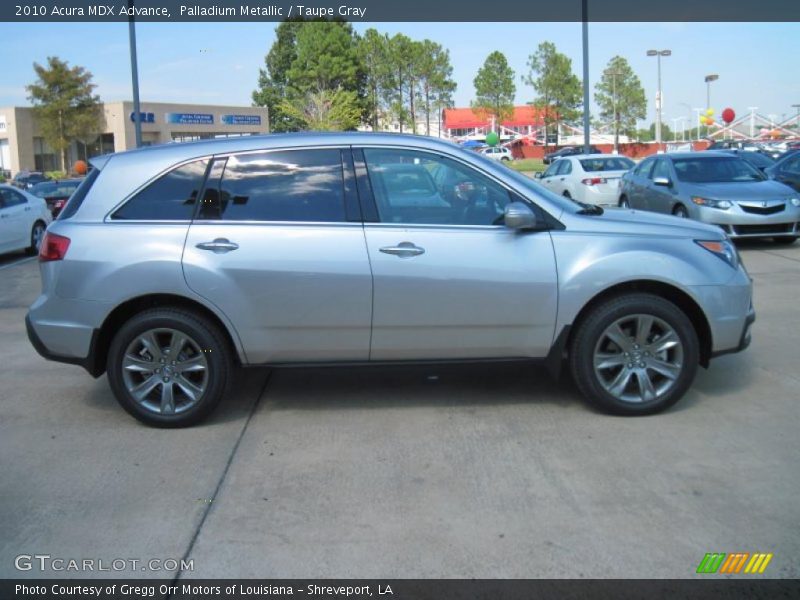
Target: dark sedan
[[55, 193], [25, 180], [568, 151]]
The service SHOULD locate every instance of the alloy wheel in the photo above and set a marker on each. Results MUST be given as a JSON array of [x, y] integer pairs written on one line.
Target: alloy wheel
[[638, 358], [165, 371]]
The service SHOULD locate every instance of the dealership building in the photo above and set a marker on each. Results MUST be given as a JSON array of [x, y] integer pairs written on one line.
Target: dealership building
[[22, 148]]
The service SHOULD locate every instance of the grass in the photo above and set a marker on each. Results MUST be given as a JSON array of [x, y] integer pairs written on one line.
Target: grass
[[530, 165]]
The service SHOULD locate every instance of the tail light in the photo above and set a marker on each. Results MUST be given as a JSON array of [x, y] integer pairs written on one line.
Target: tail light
[[593, 181], [54, 247]]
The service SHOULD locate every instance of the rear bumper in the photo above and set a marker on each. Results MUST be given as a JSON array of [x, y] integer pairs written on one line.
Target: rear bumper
[[88, 362]]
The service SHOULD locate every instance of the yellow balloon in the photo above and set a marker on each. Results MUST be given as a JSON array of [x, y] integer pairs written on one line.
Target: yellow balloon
[[710, 112]]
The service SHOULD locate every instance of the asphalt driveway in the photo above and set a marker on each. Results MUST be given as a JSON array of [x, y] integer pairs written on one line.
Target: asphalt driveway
[[476, 472]]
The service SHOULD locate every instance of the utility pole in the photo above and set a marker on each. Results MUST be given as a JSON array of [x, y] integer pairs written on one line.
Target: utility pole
[[752, 110], [586, 132], [658, 54], [697, 111], [137, 114]]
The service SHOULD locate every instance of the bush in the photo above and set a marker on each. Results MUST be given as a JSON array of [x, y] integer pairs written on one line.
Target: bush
[[55, 174]]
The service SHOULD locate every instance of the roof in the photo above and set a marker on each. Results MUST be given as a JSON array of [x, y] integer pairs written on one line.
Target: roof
[[465, 118]]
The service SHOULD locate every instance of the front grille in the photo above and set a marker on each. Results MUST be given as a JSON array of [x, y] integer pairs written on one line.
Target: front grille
[[762, 210], [763, 229]]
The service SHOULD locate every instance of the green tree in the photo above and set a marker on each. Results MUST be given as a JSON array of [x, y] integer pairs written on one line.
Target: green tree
[[620, 96], [436, 80], [326, 58], [272, 79], [325, 110], [65, 105], [494, 87], [559, 91], [373, 50], [400, 57]]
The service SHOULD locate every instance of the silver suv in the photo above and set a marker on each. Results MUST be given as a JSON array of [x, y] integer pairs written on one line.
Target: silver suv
[[171, 265]]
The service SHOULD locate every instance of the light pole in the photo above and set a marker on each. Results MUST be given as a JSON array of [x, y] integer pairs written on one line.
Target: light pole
[[658, 54], [137, 121], [797, 118], [708, 80]]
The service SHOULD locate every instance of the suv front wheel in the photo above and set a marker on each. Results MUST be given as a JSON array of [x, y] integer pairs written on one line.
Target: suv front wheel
[[169, 367], [635, 354]]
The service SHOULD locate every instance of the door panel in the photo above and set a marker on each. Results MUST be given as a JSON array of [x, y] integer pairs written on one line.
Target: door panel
[[474, 293], [448, 282], [14, 217], [274, 251]]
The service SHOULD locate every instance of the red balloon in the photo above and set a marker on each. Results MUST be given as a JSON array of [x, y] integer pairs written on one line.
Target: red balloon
[[728, 115]]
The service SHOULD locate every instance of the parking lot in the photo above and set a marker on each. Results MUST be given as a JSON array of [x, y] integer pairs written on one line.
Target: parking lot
[[468, 472]]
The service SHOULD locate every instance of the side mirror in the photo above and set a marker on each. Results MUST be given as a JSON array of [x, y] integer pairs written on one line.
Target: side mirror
[[538, 175], [519, 215], [662, 181]]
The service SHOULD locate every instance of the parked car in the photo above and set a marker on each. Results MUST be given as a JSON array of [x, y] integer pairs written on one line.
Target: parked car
[[498, 153], [786, 170], [589, 178], [23, 220], [715, 188], [568, 151], [55, 193], [25, 180], [758, 159], [746, 145], [172, 264]]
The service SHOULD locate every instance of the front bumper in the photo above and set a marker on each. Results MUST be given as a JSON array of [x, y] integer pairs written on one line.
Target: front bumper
[[744, 340], [740, 224]]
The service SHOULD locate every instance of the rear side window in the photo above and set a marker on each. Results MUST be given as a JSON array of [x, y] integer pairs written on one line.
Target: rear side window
[[171, 197], [78, 196], [291, 185]]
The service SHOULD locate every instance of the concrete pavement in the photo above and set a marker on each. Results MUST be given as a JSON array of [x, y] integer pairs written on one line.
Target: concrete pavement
[[491, 471]]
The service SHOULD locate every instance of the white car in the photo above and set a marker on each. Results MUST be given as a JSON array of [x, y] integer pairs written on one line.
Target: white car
[[590, 178], [23, 220], [498, 153]]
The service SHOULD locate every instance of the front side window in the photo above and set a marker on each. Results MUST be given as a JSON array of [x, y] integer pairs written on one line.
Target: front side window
[[421, 188], [551, 170], [660, 170], [11, 198], [290, 185], [171, 197]]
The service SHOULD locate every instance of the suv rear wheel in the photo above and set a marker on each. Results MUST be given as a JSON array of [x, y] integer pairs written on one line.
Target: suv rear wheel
[[635, 354], [169, 367]]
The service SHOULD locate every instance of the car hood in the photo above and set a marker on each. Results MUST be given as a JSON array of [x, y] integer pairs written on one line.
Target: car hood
[[626, 221], [755, 190]]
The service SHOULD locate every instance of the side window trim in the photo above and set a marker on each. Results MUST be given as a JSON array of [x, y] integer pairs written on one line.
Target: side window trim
[[352, 207], [366, 198]]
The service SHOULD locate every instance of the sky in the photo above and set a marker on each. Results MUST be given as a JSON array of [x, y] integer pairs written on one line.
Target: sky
[[219, 63]]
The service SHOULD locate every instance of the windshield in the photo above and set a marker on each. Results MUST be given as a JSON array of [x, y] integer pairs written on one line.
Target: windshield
[[722, 169], [614, 163]]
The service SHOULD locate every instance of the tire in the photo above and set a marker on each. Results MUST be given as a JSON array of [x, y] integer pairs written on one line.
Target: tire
[[37, 234], [680, 211], [139, 357], [623, 202], [785, 241], [505, 159], [614, 386]]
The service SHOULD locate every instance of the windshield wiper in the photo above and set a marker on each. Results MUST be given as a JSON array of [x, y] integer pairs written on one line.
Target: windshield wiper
[[590, 209]]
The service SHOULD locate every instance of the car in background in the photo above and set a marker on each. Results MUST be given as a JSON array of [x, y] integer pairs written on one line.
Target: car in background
[[746, 145], [758, 159], [786, 170], [25, 180], [715, 188], [568, 151], [23, 220], [55, 193], [498, 153], [589, 178]]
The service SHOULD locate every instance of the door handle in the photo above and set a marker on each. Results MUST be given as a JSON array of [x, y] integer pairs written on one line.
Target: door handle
[[27, 208], [218, 246], [3, 216], [403, 250]]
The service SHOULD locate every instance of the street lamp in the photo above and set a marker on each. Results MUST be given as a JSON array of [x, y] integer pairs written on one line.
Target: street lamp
[[658, 54], [708, 80]]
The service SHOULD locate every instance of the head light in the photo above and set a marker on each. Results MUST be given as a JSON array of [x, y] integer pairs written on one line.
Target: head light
[[721, 204], [722, 249], [795, 201]]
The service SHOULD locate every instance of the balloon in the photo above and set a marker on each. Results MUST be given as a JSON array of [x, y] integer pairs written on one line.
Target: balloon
[[80, 167], [710, 112], [492, 138], [728, 115]]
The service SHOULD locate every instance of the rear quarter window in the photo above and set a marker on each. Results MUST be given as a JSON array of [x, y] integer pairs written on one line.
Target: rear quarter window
[[171, 197]]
